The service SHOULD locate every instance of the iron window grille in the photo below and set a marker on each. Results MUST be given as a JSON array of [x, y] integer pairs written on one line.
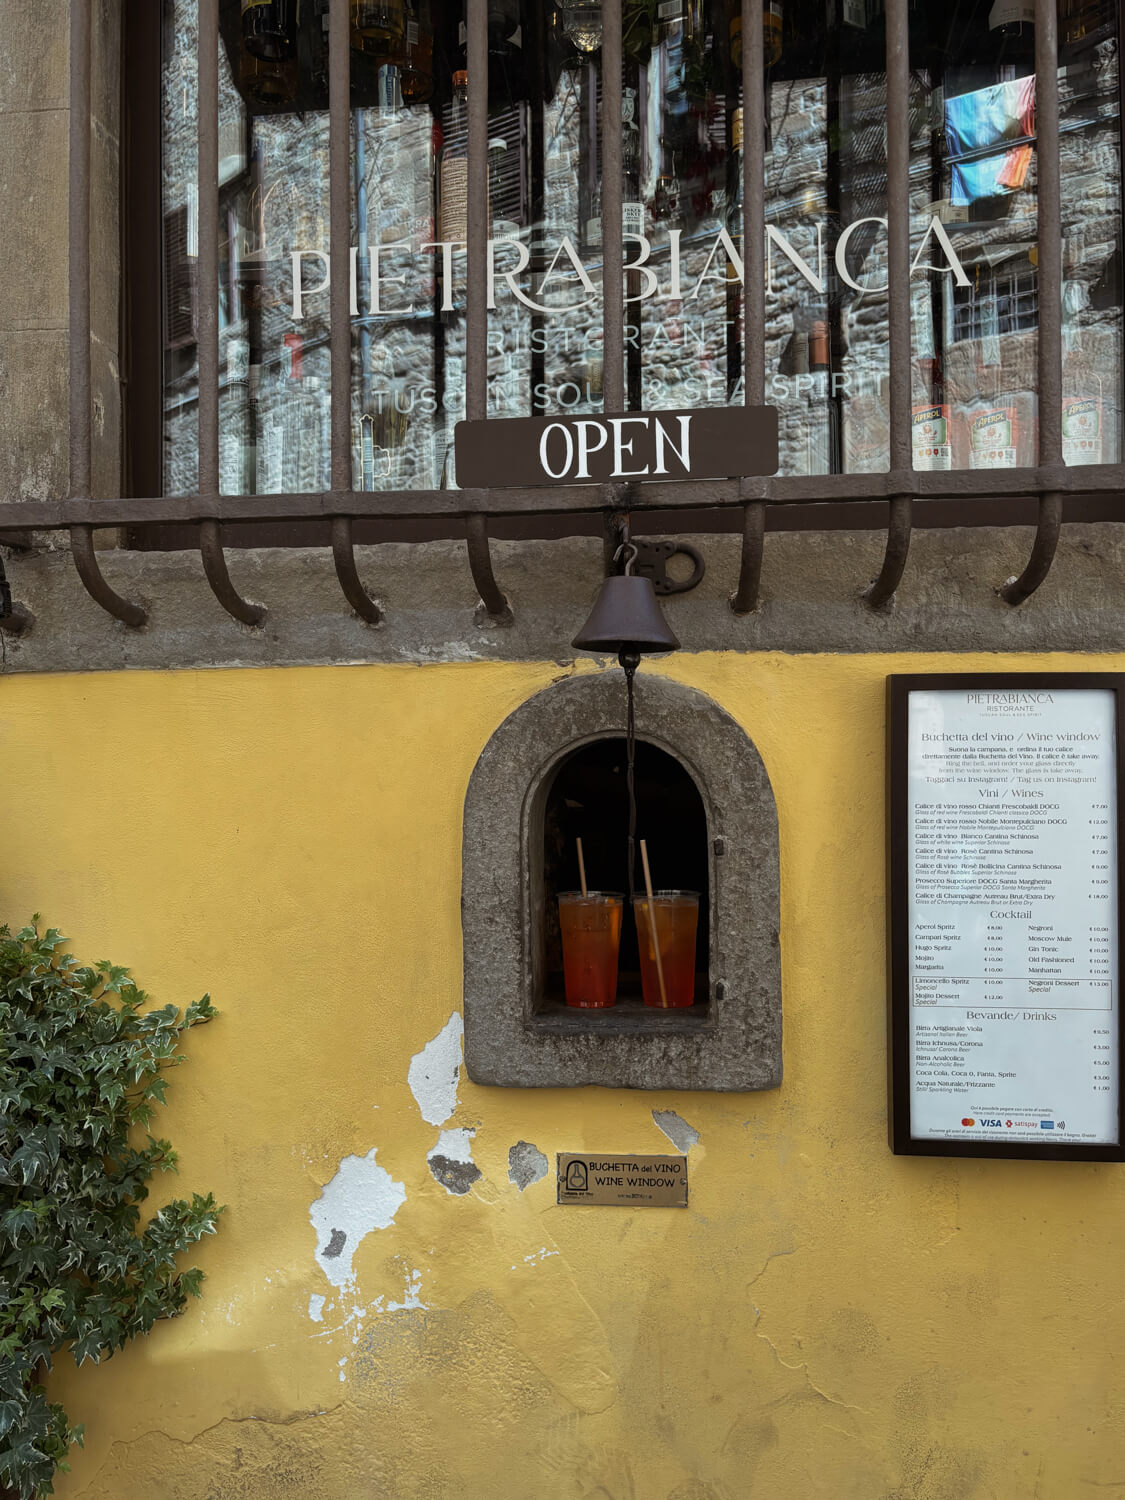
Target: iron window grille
[[80, 513]]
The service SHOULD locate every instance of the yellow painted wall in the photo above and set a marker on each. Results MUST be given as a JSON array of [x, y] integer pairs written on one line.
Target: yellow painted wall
[[826, 1320]]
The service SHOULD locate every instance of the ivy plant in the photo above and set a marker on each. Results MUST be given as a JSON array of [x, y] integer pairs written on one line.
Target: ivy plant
[[81, 1065]]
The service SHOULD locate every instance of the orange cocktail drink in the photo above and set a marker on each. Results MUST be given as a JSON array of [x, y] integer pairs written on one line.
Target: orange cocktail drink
[[676, 916], [591, 937]]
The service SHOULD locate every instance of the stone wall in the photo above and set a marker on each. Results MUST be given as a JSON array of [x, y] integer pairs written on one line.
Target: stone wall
[[34, 299]]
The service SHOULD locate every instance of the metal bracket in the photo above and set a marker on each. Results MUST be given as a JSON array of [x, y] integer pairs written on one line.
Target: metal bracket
[[652, 562]]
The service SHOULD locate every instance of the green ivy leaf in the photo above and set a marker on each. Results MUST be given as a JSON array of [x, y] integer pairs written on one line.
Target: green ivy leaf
[[80, 1075]]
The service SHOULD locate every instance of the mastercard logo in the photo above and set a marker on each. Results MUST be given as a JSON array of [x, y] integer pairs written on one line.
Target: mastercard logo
[[968, 1122]]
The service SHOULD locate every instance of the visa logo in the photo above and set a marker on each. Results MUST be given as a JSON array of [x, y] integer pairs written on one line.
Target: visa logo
[[1046, 1124], [992, 1122]]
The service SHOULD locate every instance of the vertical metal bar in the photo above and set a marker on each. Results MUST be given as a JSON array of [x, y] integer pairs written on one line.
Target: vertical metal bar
[[210, 532], [745, 598], [613, 286], [898, 301], [208, 195], [476, 312], [613, 255], [340, 227], [78, 249], [1049, 216]]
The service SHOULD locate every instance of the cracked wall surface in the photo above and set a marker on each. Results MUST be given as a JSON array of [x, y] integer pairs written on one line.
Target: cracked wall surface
[[824, 1322]]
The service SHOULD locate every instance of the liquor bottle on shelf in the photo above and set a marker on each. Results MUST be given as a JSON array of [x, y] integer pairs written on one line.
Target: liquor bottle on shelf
[[632, 205], [1011, 18], [416, 75], [503, 22], [1082, 407], [269, 83], [592, 232], [772, 31], [667, 195], [821, 417], [453, 168], [306, 420], [930, 429], [269, 29], [581, 23], [378, 27], [507, 68], [500, 228], [994, 429]]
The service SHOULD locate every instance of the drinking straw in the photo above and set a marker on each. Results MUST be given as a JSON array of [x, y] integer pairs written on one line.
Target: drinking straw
[[652, 926], [581, 867]]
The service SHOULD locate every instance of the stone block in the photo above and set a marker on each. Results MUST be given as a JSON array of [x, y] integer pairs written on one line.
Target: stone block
[[34, 462], [34, 55], [33, 210]]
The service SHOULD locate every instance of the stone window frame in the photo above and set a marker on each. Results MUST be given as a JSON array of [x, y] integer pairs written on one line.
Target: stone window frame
[[736, 1044]]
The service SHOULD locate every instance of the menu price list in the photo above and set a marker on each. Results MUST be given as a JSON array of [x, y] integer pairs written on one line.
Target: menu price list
[[1013, 915]]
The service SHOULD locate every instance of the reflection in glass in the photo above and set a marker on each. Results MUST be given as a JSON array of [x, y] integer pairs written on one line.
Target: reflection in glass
[[974, 234], [975, 143]]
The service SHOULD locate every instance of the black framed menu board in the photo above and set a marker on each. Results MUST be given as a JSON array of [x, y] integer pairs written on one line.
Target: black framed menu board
[[1004, 827]]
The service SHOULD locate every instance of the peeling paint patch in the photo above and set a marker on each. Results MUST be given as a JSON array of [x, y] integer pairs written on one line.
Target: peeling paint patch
[[436, 1071], [537, 1255], [451, 1161], [411, 1295], [316, 1308], [682, 1135], [361, 1197], [526, 1164]]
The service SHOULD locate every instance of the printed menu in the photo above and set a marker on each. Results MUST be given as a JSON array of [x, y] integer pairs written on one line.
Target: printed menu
[[1013, 915]]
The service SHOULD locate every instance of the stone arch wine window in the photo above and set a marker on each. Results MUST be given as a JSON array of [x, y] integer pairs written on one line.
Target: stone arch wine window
[[586, 797], [514, 1036]]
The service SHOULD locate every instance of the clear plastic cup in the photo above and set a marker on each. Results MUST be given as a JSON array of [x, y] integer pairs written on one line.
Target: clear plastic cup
[[591, 938], [677, 920]]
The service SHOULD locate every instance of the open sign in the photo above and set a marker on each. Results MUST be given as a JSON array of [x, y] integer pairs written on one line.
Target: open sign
[[715, 443]]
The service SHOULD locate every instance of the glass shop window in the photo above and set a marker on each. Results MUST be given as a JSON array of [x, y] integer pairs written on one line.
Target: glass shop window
[[588, 800], [973, 221], [973, 170]]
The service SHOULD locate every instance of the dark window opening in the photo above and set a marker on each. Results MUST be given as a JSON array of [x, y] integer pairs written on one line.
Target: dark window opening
[[588, 799]]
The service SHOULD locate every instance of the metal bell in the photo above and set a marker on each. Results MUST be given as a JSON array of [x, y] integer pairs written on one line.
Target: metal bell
[[626, 618]]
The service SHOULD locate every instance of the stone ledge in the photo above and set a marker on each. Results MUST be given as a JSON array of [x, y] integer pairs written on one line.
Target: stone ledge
[[811, 586]]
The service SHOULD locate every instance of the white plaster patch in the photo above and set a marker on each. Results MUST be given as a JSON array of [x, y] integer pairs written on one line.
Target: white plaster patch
[[455, 1144], [316, 1308], [411, 1295], [436, 1071], [537, 1257], [361, 1197]]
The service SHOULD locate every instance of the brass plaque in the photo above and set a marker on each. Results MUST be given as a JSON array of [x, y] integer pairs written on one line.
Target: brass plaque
[[627, 1181]]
